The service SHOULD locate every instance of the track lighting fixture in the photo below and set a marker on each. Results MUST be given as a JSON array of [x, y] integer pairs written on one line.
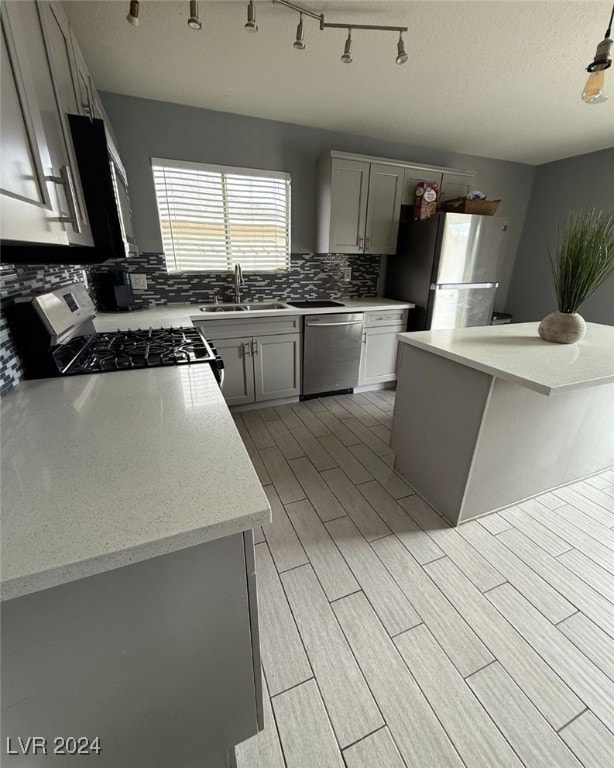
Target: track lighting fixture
[[401, 55], [347, 51], [251, 25], [593, 92], [299, 43], [194, 21], [133, 13]]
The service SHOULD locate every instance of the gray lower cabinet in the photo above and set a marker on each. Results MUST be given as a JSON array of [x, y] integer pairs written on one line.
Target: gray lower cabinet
[[159, 659], [259, 368], [378, 361]]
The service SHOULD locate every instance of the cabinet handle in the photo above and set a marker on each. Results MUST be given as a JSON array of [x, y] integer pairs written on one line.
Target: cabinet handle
[[254, 347], [367, 243], [364, 337], [361, 243], [65, 178], [245, 349]]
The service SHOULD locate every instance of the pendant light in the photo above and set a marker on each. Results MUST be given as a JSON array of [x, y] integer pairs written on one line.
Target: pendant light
[[299, 43], [251, 25], [346, 58], [401, 55], [133, 13], [194, 21], [593, 92]]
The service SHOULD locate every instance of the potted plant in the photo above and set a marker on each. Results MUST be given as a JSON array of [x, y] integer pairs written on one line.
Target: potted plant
[[583, 260]]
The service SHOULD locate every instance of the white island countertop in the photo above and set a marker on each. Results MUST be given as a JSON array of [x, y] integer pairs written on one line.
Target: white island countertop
[[104, 470], [184, 314], [516, 353]]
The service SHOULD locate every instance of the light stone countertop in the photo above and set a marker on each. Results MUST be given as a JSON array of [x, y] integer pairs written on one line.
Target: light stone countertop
[[516, 353], [184, 314], [103, 470]]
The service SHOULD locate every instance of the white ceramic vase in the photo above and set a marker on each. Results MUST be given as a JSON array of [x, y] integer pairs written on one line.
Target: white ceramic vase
[[562, 327]]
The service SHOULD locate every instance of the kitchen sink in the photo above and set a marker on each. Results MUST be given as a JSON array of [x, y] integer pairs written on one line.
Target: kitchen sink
[[262, 306]]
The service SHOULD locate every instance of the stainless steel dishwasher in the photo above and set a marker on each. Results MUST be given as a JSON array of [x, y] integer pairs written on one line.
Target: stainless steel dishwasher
[[331, 352]]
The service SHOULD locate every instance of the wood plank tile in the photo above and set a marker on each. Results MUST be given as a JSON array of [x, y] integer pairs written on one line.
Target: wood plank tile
[[304, 728], [533, 740], [266, 414], [368, 437], [335, 407], [287, 415], [385, 475], [349, 703], [589, 525], [286, 484], [536, 590], [594, 575], [289, 667], [316, 405], [332, 570], [550, 500], [357, 507], [598, 481], [591, 640], [378, 749], [348, 463], [472, 564], [388, 394], [585, 500], [338, 428], [420, 544], [257, 429], [317, 427], [394, 688], [535, 531], [473, 733], [383, 417], [284, 440], [259, 533], [388, 601], [459, 641], [374, 397], [562, 579], [590, 740], [552, 697], [315, 452], [319, 494], [571, 534], [608, 474], [383, 433], [257, 462], [285, 547], [355, 410], [572, 666], [263, 750], [494, 523]]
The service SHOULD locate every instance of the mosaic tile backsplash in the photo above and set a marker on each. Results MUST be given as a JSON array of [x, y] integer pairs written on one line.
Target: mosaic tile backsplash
[[310, 276]]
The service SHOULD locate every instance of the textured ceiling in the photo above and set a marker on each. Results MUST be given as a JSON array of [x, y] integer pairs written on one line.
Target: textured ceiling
[[498, 79]]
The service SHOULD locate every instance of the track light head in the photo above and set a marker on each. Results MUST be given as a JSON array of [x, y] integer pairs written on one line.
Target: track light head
[[346, 58], [251, 25], [401, 55], [299, 43], [594, 90], [194, 21], [133, 13]]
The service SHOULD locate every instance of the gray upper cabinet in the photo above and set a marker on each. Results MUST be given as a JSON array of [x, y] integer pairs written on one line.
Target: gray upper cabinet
[[383, 208], [456, 184], [348, 206], [30, 208]]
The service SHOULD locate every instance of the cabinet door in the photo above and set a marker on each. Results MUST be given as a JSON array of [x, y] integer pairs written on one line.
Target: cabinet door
[[58, 45], [412, 178], [456, 185], [83, 83], [384, 208], [238, 369], [378, 361], [277, 366], [349, 190], [29, 211]]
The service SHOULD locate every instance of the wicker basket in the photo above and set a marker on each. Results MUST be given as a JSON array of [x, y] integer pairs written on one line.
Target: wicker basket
[[462, 205]]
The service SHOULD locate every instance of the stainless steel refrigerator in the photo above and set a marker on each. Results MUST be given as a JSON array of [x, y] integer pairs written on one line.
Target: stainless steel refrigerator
[[448, 267]]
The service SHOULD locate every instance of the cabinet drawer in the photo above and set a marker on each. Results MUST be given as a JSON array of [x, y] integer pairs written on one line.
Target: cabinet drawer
[[249, 326], [386, 317]]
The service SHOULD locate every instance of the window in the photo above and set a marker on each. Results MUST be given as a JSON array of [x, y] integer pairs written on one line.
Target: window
[[214, 216]]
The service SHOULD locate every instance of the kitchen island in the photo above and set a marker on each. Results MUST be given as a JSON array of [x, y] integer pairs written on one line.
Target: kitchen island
[[486, 417], [128, 581]]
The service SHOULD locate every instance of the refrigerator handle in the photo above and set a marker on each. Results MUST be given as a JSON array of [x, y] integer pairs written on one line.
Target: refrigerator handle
[[444, 286]]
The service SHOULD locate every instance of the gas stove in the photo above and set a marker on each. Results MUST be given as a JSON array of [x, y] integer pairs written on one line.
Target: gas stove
[[56, 337]]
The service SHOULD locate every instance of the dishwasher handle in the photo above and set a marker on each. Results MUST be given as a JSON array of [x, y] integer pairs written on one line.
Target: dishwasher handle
[[343, 322]]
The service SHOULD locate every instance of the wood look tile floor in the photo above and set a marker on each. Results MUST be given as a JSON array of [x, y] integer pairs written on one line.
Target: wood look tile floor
[[390, 639]]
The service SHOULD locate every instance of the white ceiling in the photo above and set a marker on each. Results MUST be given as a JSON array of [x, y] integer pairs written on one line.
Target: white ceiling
[[499, 79]]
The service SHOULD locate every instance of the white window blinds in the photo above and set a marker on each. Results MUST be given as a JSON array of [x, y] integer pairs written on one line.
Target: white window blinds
[[215, 216]]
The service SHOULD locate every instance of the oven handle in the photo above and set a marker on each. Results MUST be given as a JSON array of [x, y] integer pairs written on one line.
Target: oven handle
[[344, 322]]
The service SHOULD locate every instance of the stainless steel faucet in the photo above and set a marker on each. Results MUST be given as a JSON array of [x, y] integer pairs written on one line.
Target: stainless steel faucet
[[238, 282]]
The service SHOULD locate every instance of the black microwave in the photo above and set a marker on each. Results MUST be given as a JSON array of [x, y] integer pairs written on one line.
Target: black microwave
[[105, 189]]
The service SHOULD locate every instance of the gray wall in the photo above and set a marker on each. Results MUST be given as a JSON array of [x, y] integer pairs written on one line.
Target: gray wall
[[147, 128], [580, 182]]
